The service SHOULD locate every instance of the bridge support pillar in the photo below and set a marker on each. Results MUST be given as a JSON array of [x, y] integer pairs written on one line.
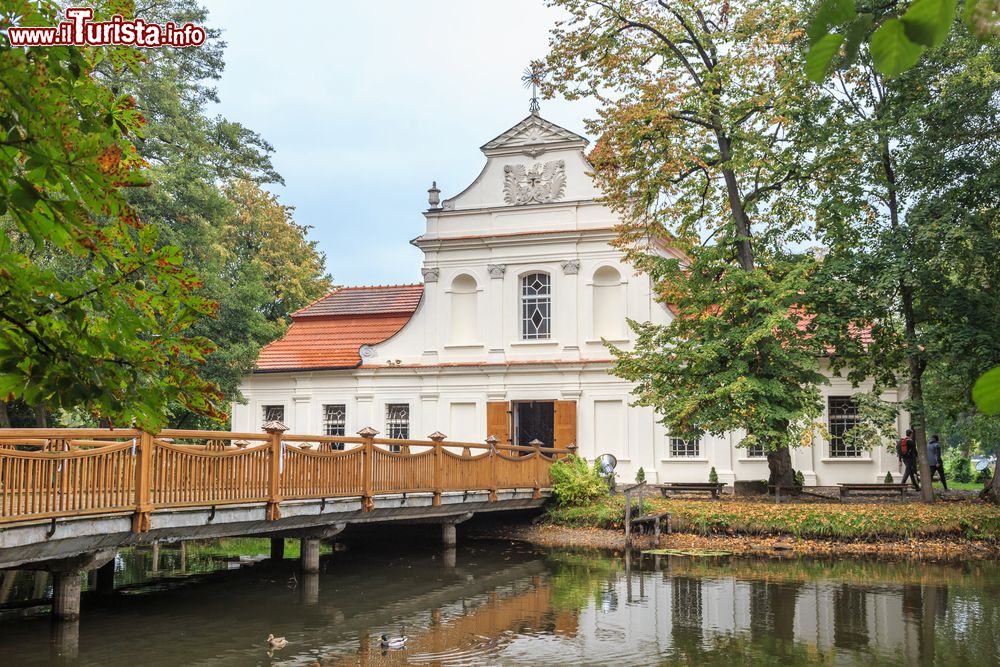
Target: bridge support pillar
[[67, 575], [106, 578], [310, 589], [449, 557], [277, 548], [66, 595], [449, 536], [309, 551]]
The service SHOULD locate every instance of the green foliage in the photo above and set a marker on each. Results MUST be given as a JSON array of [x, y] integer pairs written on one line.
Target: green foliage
[[96, 311], [800, 479], [986, 392], [903, 30], [640, 476], [961, 470], [888, 478], [575, 483], [984, 476], [713, 476]]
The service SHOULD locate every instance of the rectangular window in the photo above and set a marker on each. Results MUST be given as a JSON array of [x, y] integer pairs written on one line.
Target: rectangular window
[[536, 306], [273, 413], [681, 448], [335, 422], [397, 421], [842, 416], [756, 452]]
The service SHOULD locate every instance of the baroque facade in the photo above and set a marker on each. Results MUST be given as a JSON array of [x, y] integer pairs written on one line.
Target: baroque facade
[[504, 335]]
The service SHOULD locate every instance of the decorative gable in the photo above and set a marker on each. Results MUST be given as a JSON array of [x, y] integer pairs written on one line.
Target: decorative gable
[[533, 136]]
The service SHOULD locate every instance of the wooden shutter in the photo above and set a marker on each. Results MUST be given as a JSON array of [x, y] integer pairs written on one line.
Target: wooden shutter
[[564, 427], [498, 421]]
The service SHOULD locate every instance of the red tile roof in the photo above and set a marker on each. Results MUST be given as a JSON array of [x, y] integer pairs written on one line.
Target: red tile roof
[[329, 332]]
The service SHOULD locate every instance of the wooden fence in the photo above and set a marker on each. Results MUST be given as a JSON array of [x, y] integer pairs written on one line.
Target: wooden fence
[[50, 473]]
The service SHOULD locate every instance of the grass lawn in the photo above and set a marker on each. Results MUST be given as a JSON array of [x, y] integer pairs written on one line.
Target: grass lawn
[[845, 521], [961, 486]]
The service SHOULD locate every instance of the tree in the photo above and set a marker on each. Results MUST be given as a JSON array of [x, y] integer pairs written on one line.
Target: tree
[[94, 310], [897, 32], [912, 229], [702, 147], [204, 194]]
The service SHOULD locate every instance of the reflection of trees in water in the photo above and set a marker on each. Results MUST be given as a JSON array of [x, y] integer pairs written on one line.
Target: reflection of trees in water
[[772, 610], [686, 605], [579, 579]]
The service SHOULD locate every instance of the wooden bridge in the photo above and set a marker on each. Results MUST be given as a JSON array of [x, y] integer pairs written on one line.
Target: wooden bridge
[[70, 497]]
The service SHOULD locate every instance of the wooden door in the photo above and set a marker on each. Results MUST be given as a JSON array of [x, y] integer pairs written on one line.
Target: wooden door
[[564, 427], [498, 421]]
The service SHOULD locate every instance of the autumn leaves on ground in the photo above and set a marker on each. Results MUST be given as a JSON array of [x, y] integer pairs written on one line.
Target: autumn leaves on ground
[[941, 530]]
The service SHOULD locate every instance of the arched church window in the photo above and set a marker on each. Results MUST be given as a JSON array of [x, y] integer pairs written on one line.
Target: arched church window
[[536, 306], [463, 309], [609, 304]]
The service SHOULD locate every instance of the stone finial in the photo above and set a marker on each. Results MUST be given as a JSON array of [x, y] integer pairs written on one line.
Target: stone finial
[[492, 441], [572, 448], [367, 432], [536, 443], [496, 270], [571, 267], [434, 195], [437, 436], [274, 426], [431, 275], [242, 444]]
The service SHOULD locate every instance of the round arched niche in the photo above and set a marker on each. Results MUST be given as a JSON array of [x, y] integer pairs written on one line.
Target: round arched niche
[[464, 310], [609, 304]]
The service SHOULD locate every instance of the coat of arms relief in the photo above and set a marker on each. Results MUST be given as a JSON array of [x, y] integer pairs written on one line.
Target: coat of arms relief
[[538, 184]]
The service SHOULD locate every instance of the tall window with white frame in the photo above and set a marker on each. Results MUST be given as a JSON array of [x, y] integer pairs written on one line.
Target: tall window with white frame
[[272, 413], [335, 422], [842, 416], [679, 448], [397, 422], [536, 306]]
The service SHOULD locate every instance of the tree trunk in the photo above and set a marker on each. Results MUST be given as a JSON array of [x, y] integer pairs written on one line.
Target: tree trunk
[[918, 424], [4, 415], [779, 462], [41, 416], [992, 492]]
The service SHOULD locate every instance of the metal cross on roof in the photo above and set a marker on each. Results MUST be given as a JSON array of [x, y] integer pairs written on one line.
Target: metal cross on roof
[[533, 77]]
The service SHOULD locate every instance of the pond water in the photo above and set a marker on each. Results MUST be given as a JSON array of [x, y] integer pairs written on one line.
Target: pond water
[[496, 603]]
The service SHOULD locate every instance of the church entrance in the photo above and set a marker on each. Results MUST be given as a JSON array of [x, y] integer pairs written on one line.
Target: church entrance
[[534, 420]]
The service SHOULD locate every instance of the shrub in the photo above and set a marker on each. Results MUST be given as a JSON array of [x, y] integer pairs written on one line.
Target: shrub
[[713, 476], [984, 476], [888, 478], [640, 476], [576, 483], [799, 478], [962, 470]]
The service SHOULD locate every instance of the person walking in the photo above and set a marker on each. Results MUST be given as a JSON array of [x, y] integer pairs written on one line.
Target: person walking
[[935, 460], [907, 453]]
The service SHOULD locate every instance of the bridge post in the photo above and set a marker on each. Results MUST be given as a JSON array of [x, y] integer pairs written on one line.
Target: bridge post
[[438, 438], [274, 429], [537, 490], [309, 554], [367, 467], [143, 472], [492, 453], [67, 582], [449, 535], [277, 548]]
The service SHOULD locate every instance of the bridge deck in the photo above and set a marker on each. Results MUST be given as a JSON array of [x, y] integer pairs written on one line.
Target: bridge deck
[[66, 491]]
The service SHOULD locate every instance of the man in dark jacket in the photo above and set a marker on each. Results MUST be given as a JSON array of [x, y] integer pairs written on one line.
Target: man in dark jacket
[[907, 453], [935, 460]]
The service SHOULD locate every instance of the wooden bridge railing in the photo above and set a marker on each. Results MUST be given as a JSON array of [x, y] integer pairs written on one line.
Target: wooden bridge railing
[[50, 473]]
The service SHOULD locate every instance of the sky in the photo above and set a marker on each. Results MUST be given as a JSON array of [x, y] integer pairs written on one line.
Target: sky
[[367, 103]]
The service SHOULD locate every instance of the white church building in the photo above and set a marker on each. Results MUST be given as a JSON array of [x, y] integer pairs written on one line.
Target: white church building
[[503, 335]]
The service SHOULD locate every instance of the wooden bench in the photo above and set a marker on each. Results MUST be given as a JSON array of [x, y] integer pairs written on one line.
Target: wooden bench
[[634, 516], [874, 489], [692, 487]]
